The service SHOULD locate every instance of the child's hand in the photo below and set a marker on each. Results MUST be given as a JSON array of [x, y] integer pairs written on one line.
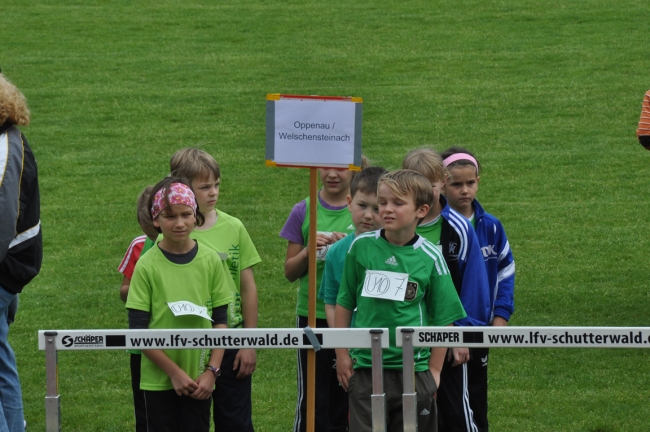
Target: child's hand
[[205, 385], [183, 384], [336, 236], [459, 355], [344, 368], [245, 360], [323, 240], [499, 322]]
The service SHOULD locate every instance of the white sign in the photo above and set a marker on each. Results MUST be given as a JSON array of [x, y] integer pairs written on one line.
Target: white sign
[[314, 132], [181, 308], [385, 285]]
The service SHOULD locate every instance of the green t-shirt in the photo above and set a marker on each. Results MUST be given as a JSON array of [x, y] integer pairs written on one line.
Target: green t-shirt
[[431, 230], [228, 235], [328, 221], [156, 281], [148, 244], [430, 298]]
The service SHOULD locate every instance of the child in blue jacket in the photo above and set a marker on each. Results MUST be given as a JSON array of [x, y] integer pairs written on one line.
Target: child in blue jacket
[[458, 242], [460, 188]]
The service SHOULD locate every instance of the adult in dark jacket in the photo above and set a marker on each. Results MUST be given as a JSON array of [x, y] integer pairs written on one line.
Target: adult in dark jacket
[[21, 246]]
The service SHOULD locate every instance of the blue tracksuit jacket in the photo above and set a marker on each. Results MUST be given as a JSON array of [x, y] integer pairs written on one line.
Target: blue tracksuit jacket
[[499, 262], [463, 247]]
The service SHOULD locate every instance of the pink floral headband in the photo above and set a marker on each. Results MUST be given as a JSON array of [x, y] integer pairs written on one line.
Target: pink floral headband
[[460, 156], [177, 193]]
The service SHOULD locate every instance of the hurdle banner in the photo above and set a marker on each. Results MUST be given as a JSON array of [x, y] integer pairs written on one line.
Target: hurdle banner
[[504, 337], [529, 337], [53, 341], [268, 338]]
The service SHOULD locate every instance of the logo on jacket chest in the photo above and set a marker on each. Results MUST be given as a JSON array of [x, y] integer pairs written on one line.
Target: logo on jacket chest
[[488, 251], [453, 250]]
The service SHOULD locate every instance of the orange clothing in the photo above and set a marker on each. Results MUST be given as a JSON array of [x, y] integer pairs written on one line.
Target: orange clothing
[[643, 131]]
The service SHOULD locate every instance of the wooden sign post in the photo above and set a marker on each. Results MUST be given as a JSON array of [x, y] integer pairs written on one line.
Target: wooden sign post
[[313, 132]]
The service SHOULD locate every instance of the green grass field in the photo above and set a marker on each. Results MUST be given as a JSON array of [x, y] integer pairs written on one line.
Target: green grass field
[[547, 94]]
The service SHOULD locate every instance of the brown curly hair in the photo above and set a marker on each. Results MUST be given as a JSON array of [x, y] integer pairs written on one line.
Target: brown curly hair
[[13, 105]]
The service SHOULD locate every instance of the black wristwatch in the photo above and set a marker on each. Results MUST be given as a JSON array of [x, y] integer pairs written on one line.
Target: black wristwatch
[[214, 370]]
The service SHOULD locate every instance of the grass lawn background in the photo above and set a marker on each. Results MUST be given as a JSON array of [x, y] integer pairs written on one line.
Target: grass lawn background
[[547, 94]]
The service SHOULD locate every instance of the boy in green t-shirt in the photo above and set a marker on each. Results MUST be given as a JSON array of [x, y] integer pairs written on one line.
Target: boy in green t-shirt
[[362, 204], [421, 294], [224, 233]]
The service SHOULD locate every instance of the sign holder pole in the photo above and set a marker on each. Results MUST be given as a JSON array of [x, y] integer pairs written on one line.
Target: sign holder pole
[[52, 400], [311, 318], [313, 132]]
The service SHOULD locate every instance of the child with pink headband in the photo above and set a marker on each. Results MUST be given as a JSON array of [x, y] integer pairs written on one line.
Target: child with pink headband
[[460, 188], [457, 240], [177, 384]]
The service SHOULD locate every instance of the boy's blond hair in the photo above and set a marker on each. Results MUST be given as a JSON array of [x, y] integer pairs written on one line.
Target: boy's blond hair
[[427, 162], [13, 105], [193, 163], [404, 182]]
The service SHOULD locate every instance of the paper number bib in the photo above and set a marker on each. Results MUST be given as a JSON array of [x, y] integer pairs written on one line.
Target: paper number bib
[[181, 308], [385, 284]]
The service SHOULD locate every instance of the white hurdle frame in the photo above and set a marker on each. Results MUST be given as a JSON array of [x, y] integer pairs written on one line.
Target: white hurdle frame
[[53, 341], [505, 337]]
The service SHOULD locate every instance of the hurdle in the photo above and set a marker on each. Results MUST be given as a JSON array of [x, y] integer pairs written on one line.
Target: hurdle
[[53, 341], [505, 337]]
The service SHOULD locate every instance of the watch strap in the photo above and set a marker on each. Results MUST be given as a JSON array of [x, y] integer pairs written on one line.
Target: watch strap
[[215, 370]]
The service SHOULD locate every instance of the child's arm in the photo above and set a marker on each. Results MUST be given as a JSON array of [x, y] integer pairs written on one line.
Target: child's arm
[[246, 359], [330, 284], [330, 312], [344, 370], [124, 289], [436, 361], [504, 303], [205, 382], [296, 262]]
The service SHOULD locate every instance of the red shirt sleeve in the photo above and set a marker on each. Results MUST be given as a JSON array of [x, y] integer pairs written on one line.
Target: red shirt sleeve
[[131, 257]]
